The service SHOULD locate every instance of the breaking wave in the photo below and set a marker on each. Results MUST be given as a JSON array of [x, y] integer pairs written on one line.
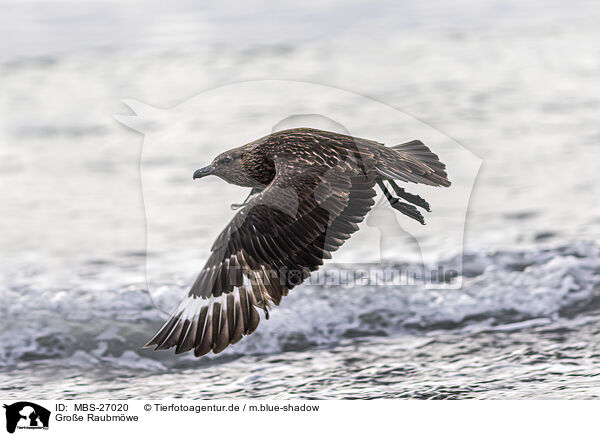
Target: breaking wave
[[88, 324]]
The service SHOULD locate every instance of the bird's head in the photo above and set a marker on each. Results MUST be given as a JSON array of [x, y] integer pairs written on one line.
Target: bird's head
[[229, 166]]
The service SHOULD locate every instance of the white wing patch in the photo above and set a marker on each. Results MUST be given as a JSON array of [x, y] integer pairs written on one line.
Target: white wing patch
[[211, 323]]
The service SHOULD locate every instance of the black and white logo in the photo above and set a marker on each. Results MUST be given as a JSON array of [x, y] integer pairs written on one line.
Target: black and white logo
[[26, 415]]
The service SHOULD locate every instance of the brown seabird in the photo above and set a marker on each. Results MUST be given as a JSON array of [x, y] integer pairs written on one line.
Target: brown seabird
[[309, 190]]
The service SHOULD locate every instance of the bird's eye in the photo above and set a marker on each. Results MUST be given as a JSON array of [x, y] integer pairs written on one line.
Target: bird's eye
[[226, 160]]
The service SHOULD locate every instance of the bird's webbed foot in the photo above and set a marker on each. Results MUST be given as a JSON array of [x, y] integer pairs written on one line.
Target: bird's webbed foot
[[252, 193], [417, 200], [408, 210], [402, 207], [236, 206]]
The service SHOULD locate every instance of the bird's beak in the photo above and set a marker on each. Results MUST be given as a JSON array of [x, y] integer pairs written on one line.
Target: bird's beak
[[203, 172]]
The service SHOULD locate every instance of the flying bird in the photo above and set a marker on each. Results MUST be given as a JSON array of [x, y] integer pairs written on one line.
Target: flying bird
[[309, 191]]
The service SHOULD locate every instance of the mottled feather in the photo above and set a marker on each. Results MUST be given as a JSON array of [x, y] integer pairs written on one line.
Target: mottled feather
[[312, 190]]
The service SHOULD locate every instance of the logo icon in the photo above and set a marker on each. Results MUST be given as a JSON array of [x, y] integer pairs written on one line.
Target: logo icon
[[26, 415]]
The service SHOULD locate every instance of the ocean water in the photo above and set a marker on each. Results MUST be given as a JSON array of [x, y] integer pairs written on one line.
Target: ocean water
[[88, 271]]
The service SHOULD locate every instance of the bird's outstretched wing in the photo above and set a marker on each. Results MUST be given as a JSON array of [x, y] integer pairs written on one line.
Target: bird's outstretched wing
[[271, 245]]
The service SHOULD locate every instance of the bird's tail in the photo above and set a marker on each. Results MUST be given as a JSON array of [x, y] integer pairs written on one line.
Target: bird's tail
[[412, 162]]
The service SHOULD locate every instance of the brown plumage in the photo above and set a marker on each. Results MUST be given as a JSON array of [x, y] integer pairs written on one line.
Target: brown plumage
[[310, 189]]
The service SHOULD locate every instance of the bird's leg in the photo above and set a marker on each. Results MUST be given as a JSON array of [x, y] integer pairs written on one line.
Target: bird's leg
[[404, 208], [387, 193], [417, 200], [253, 192]]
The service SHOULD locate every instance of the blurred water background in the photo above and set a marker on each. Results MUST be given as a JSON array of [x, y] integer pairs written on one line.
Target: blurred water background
[[517, 83]]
